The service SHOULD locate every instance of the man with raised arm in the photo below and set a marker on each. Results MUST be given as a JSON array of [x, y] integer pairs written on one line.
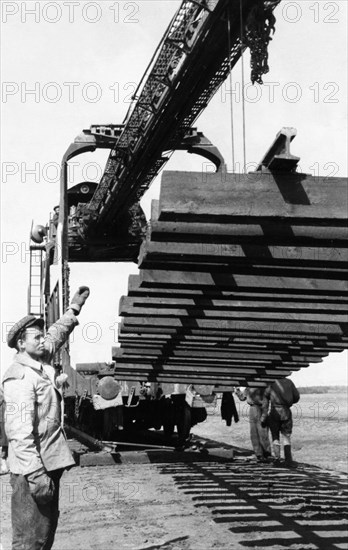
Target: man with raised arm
[[38, 452]]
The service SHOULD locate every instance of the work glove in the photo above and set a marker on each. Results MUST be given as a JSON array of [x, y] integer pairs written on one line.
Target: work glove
[[41, 486], [79, 299], [264, 422], [61, 379]]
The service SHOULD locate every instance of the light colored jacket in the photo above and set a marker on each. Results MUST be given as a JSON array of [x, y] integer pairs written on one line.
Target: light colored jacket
[[33, 407]]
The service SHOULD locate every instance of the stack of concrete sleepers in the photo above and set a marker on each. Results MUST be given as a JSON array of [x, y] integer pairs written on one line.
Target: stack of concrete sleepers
[[243, 279]]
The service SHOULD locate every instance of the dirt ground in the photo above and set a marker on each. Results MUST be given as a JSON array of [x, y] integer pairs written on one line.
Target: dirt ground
[[320, 431], [200, 502]]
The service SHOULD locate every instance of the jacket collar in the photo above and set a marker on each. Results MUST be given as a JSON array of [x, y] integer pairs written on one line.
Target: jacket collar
[[40, 368], [28, 361]]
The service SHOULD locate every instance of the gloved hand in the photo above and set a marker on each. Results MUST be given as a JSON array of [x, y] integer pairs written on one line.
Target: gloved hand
[[61, 379], [264, 422], [79, 299], [41, 486]]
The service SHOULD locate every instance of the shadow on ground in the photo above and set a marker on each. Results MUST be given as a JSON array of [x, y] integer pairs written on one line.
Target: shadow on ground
[[269, 507]]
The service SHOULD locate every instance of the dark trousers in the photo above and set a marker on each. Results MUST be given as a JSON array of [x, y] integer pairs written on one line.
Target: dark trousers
[[280, 421], [33, 525]]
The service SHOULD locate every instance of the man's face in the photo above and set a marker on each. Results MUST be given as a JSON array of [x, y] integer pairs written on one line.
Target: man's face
[[32, 342]]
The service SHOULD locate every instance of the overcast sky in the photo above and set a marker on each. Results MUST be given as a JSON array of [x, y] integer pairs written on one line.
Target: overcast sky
[[67, 65]]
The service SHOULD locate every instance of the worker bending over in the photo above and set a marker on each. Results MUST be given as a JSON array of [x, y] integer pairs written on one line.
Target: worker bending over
[[282, 394], [258, 434]]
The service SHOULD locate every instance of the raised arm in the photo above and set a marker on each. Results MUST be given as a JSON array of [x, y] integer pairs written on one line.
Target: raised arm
[[59, 332]]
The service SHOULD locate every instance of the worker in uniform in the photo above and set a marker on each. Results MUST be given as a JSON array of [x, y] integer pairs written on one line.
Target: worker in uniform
[[38, 451], [258, 434], [281, 395]]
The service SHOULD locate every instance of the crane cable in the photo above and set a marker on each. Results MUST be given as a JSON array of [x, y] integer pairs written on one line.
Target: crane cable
[[230, 78], [243, 96], [243, 83]]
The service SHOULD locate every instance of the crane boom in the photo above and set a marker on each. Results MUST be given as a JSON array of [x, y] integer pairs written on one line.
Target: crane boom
[[192, 60]]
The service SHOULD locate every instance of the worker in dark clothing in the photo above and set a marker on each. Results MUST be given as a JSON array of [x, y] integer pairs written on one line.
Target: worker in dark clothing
[[282, 394], [258, 434]]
